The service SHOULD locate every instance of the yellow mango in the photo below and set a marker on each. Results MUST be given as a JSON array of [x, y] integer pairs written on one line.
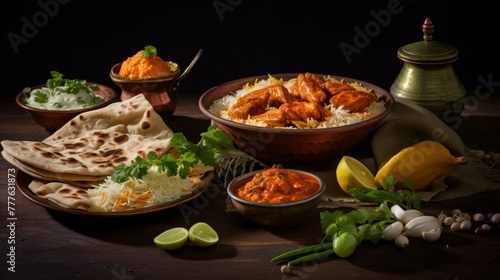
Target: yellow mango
[[422, 163]]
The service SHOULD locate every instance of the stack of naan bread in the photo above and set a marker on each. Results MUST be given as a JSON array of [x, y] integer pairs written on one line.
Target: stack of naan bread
[[87, 149]]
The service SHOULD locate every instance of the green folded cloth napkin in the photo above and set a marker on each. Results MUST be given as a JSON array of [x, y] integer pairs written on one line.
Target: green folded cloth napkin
[[406, 125]]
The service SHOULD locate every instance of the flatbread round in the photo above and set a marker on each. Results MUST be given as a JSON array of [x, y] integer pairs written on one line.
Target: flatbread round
[[86, 150], [96, 153], [76, 179], [94, 143], [63, 194]]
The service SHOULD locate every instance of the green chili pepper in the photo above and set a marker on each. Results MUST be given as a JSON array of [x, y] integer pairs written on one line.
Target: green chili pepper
[[297, 253], [312, 258]]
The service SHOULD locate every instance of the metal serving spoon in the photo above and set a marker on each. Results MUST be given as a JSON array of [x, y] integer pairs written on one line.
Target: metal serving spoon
[[175, 82], [191, 65]]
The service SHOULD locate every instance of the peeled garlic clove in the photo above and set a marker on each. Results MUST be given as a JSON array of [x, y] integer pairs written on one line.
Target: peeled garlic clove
[[416, 226], [401, 241], [431, 235], [495, 218], [392, 231], [410, 214], [398, 212]]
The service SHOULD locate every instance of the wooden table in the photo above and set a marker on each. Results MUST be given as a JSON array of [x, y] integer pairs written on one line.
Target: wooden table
[[51, 245]]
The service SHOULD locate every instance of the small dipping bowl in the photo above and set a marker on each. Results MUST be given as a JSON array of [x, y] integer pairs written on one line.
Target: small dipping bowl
[[52, 120], [274, 216]]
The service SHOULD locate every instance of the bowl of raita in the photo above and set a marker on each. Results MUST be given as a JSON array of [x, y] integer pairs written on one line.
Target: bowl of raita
[[55, 103]]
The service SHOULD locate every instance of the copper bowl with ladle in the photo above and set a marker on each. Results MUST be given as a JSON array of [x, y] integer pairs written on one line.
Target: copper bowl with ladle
[[161, 92]]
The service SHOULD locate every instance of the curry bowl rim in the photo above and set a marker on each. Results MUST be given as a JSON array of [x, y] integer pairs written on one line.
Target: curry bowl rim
[[244, 178]]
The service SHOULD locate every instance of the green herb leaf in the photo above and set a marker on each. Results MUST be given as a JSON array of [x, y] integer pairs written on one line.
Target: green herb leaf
[[41, 97], [72, 86], [216, 138], [181, 144], [120, 174], [405, 197], [148, 51], [56, 80], [137, 168], [191, 155]]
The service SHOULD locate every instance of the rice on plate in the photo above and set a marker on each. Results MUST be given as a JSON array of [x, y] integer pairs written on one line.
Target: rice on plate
[[338, 116]]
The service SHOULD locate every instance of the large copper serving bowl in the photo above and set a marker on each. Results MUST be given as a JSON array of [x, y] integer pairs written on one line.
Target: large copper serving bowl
[[307, 149]]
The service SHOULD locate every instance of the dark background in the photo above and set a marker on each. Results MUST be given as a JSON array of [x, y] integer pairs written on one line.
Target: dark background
[[240, 38]]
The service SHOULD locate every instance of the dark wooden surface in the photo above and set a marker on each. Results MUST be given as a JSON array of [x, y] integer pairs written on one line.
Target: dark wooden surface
[[50, 245]]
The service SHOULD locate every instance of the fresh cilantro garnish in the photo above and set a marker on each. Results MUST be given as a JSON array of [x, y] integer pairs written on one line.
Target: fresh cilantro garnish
[[215, 137], [365, 224], [95, 99], [137, 168], [148, 51], [405, 197], [57, 105], [56, 80], [41, 97], [207, 152], [73, 86]]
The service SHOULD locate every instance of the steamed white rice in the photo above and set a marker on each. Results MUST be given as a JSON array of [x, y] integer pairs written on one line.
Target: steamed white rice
[[339, 116]]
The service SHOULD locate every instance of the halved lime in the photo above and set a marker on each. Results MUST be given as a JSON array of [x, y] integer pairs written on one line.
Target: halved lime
[[172, 239], [203, 235], [351, 173]]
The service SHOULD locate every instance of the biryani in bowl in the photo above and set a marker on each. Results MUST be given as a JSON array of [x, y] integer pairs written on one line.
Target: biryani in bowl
[[299, 120]]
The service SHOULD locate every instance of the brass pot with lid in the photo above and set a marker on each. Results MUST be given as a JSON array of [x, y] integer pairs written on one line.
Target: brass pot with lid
[[428, 77]]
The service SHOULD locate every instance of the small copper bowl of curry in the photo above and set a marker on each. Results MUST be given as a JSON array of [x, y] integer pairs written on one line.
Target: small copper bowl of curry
[[160, 91], [276, 198]]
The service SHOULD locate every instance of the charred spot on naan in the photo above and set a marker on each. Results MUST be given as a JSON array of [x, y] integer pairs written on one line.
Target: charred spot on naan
[[120, 160], [145, 125], [74, 146], [50, 155], [120, 138], [72, 161], [41, 145], [100, 134], [77, 193], [80, 117], [115, 152]]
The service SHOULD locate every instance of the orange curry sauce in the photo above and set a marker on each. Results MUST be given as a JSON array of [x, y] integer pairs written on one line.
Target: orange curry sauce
[[137, 67], [274, 186]]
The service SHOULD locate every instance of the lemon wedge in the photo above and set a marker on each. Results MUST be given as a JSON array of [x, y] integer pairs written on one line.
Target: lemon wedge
[[172, 239], [351, 173], [203, 235]]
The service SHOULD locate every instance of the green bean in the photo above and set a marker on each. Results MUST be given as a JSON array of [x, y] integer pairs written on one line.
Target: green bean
[[314, 257], [290, 255]]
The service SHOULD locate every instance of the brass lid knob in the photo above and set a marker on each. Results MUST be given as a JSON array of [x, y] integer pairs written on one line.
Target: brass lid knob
[[428, 51]]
